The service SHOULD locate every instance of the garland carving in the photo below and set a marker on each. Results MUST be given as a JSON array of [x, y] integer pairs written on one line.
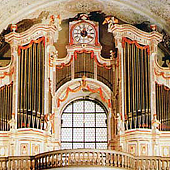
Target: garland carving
[[64, 65], [42, 39], [82, 86], [7, 73], [161, 74], [80, 52], [125, 40]]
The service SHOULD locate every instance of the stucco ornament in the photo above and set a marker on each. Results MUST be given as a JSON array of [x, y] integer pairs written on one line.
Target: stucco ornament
[[53, 20], [119, 124], [155, 122], [84, 5], [12, 123], [133, 11]]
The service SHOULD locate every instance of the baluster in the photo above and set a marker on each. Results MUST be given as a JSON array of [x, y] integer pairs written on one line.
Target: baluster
[[157, 163], [128, 162], [45, 164], [66, 159], [111, 159], [6, 162], [69, 158], [32, 163], [118, 160], [56, 160], [85, 157], [91, 156], [125, 163], [147, 164], [36, 163], [129, 167], [40, 162], [27, 165], [1, 165], [107, 159], [136, 163], [151, 164], [168, 164], [132, 163], [74, 158], [163, 165], [123, 159], [12, 164], [143, 164], [61, 159], [47, 161], [80, 158], [9, 163], [101, 159], [104, 159], [97, 158], [77, 158]]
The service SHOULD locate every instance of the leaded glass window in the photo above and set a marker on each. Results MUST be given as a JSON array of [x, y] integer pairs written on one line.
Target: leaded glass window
[[84, 125]]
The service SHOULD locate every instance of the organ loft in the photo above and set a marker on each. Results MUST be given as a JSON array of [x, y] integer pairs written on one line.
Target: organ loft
[[85, 90]]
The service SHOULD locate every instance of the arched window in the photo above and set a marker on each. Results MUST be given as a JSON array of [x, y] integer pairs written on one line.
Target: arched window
[[84, 125]]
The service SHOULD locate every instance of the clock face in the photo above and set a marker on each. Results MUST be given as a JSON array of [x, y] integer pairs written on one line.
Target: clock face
[[83, 33]]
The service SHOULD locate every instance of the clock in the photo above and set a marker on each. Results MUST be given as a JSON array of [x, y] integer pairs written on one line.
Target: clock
[[84, 33]]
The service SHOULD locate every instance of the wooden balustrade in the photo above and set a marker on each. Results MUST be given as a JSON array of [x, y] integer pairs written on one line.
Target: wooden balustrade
[[84, 157], [17, 163]]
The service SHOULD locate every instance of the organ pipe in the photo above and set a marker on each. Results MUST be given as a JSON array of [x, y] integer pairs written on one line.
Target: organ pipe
[[31, 85], [6, 94], [162, 106], [136, 85]]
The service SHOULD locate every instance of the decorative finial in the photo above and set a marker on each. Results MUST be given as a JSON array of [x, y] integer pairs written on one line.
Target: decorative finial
[[110, 20], [153, 27], [13, 27], [83, 81], [52, 19]]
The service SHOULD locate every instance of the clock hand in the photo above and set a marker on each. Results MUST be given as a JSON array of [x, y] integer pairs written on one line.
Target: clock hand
[[89, 36]]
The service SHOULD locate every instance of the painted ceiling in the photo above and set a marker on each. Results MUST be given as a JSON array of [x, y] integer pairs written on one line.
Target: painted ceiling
[[129, 11], [26, 13]]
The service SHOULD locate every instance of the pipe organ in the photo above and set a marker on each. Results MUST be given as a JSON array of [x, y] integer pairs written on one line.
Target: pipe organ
[[63, 74], [130, 84], [6, 97], [84, 63], [105, 75], [163, 106], [136, 84], [31, 85]]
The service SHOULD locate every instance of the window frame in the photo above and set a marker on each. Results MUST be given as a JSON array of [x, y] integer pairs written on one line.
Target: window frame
[[95, 112]]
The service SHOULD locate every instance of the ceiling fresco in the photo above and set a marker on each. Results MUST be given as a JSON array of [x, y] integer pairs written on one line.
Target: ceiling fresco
[[140, 13], [130, 11]]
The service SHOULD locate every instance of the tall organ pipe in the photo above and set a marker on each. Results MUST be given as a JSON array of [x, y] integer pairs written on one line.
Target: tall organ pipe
[[136, 85], [31, 85]]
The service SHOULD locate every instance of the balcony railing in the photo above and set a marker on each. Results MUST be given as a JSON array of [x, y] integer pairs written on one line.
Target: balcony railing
[[83, 157]]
